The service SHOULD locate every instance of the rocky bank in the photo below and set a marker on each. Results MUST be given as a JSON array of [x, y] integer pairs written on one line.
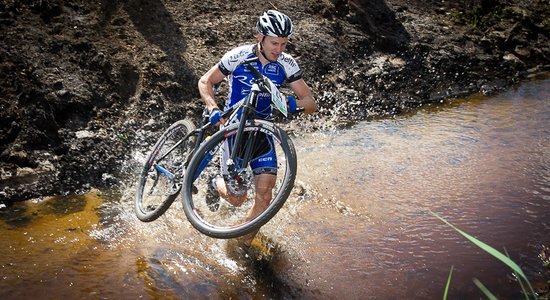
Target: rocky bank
[[86, 83]]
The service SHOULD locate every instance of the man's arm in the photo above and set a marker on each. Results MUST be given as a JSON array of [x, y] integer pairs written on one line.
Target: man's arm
[[305, 97], [206, 86]]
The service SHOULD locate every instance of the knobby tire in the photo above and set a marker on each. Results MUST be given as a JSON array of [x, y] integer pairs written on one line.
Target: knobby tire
[[157, 191]]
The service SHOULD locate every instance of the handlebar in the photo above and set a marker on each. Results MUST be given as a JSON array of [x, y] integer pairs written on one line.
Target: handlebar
[[253, 70]]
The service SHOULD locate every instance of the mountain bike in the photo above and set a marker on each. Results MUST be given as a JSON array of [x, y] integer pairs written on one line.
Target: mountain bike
[[185, 152]]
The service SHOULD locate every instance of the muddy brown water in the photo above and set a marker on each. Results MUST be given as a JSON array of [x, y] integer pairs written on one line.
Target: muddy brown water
[[358, 225]]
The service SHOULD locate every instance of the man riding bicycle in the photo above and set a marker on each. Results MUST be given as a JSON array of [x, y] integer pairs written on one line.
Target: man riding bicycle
[[274, 29]]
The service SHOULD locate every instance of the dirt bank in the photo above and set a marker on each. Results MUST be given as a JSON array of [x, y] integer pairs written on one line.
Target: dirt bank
[[85, 83]]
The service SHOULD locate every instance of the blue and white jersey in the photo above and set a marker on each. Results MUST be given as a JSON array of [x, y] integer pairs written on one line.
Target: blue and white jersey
[[240, 78]]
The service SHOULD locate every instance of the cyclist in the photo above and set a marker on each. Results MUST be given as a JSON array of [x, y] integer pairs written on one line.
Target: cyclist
[[274, 29]]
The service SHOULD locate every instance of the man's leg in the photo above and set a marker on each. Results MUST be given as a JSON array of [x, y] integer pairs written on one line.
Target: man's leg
[[264, 184], [223, 190]]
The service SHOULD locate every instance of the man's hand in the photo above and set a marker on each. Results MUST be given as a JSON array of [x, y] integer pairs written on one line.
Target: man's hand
[[215, 116], [291, 103]]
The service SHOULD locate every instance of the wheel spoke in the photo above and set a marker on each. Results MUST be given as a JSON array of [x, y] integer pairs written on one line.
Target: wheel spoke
[[231, 216], [159, 184]]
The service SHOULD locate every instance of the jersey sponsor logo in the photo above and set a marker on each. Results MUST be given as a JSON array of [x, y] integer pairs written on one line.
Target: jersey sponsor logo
[[296, 76], [223, 69], [236, 57], [289, 60], [272, 69], [265, 159], [264, 95], [243, 79], [255, 65]]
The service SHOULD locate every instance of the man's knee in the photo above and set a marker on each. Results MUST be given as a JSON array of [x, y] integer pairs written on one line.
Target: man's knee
[[264, 188]]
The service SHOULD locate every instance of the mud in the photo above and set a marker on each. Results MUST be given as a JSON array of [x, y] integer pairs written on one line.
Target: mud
[[85, 83]]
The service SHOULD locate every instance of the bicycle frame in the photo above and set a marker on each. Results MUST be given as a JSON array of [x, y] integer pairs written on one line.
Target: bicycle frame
[[248, 112], [199, 132]]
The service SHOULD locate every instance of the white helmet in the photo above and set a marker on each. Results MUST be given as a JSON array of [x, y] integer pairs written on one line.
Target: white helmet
[[274, 23]]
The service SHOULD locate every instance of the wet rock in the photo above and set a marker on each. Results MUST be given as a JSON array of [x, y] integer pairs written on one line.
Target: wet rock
[[522, 51], [62, 93], [16, 156], [512, 58], [84, 134]]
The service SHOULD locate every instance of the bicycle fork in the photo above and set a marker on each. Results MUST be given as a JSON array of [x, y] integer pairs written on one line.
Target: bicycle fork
[[248, 110]]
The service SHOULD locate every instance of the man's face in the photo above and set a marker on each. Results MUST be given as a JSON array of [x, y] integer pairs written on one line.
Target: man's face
[[273, 46]]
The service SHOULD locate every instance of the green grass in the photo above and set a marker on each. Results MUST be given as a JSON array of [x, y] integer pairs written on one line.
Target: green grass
[[485, 291], [448, 283], [495, 253]]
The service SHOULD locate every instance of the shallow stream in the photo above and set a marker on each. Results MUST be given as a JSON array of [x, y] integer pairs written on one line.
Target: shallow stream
[[358, 225]]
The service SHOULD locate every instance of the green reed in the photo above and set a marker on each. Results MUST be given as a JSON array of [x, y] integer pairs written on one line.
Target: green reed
[[495, 253]]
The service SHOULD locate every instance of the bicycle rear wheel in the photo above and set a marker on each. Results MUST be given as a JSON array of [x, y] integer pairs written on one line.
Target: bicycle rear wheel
[[160, 179], [226, 220]]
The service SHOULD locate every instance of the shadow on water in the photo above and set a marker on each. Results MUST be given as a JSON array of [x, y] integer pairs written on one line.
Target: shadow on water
[[264, 263], [242, 273]]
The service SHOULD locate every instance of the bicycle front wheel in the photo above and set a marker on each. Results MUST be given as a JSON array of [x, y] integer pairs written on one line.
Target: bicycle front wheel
[[222, 219], [160, 179]]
